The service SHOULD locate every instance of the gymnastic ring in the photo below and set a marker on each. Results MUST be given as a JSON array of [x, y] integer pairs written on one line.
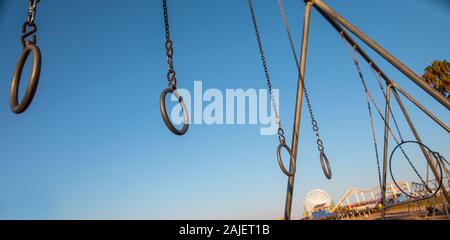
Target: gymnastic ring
[[14, 104], [439, 163], [280, 162], [326, 168], [162, 107]]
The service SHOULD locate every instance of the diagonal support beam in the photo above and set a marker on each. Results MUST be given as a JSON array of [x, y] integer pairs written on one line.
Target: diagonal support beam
[[387, 80], [430, 162], [318, 4]]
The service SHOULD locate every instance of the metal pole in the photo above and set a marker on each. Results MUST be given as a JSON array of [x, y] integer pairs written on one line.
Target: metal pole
[[385, 151], [447, 173], [426, 111], [298, 109], [433, 168], [352, 42], [318, 4], [388, 81]]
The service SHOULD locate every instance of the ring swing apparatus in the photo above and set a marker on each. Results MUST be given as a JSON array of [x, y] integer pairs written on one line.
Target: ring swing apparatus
[[369, 99], [325, 164], [280, 131], [29, 29], [399, 143], [29, 47], [172, 80], [439, 159], [339, 23]]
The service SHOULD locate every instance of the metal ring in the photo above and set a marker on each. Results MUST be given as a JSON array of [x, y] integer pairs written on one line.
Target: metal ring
[[14, 104], [162, 107], [429, 150], [325, 165], [280, 162]]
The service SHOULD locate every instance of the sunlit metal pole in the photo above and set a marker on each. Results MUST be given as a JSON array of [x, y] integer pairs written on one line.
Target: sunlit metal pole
[[385, 151], [298, 109], [318, 4], [430, 162], [426, 111], [388, 81]]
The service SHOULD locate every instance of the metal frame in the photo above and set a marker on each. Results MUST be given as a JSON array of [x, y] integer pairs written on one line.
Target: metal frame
[[298, 109], [339, 23]]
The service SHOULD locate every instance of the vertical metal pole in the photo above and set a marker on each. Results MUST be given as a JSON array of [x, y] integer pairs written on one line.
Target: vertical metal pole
[[298, 109], [377, 48], [385, 151], [430, 161], [447, 173], [444, 167]]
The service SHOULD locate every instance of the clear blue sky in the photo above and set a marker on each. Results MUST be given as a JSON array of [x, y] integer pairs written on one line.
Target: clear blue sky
[[93, 145]]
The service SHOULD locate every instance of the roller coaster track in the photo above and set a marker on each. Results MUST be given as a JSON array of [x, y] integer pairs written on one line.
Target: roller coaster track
[[392, 189], [361, 192]]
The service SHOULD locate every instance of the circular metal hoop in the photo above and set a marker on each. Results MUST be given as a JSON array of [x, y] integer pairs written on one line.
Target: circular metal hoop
[[280, 161], [432, 153], [326, 168], [14, 104], [162, 107]]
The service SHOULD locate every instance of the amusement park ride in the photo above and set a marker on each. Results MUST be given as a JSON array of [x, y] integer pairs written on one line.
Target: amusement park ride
[[366, 204], [435, 161]]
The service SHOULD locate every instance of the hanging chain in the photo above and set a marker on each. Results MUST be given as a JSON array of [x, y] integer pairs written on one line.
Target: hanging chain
[[31, 15], [375, 145], [367, 97], [354, 53], [378, 78], [171, 75], [314, 123], [439, 160], [172, 80], [281, 136]]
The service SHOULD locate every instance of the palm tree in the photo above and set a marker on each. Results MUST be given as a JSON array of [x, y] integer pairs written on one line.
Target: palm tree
[[438, 76]]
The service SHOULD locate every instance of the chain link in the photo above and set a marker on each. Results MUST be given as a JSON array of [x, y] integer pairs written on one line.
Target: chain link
[[281, 136], [31, 12], [439, 161], [369, 109], [394, 119], [31, 15], [314, 123], [171, 74], [353, 53]]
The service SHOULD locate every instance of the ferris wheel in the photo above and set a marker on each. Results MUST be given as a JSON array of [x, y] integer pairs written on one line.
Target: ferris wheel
[[317, 199]]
